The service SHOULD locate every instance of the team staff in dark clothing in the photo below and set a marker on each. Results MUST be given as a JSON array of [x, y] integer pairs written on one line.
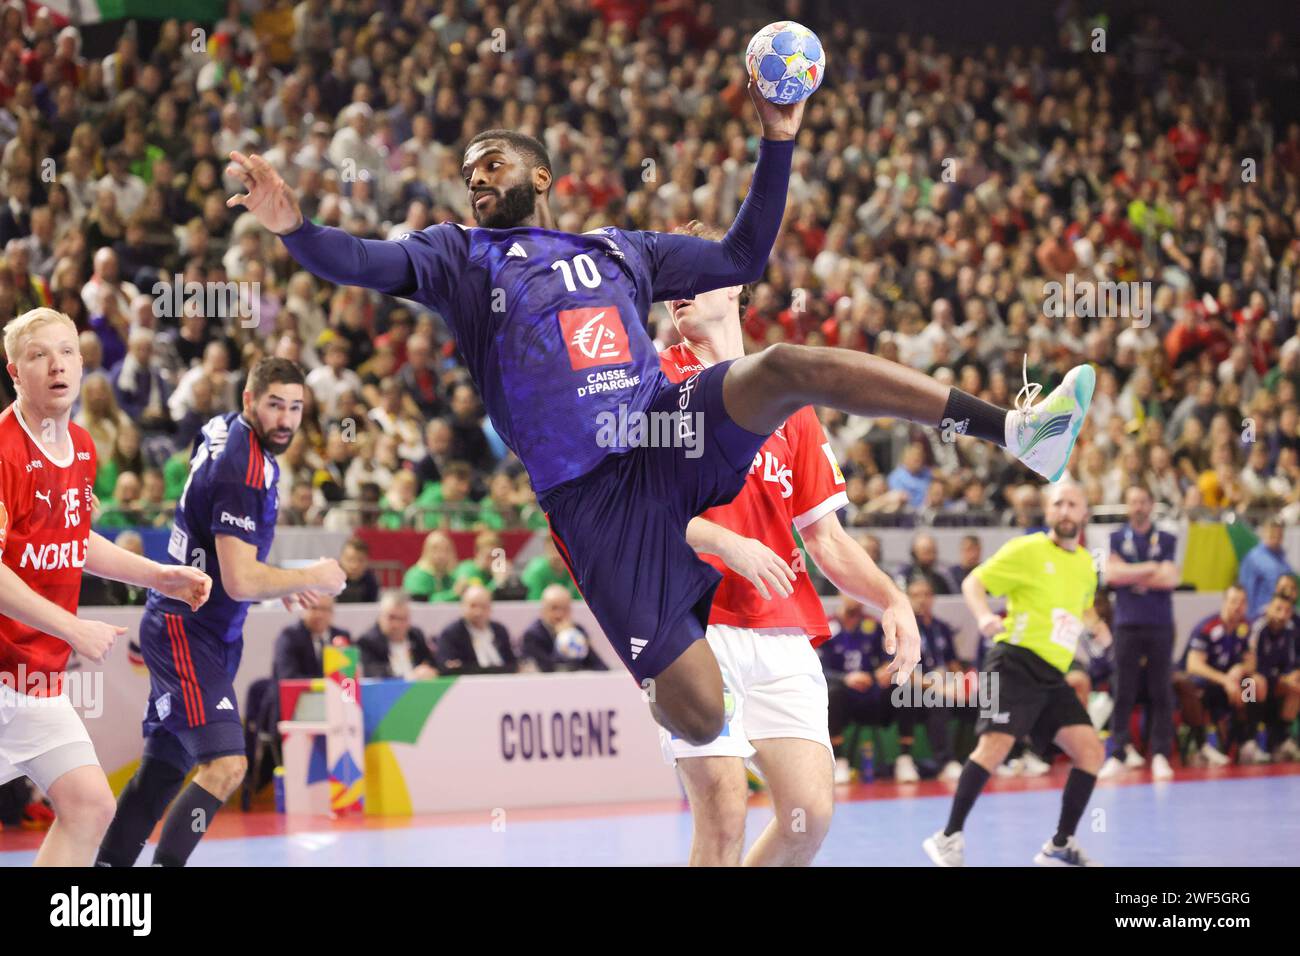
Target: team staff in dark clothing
[[1141, 572]]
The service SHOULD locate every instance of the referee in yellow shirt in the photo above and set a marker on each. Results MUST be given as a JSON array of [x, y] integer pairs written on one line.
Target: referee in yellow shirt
[[1050, 583]]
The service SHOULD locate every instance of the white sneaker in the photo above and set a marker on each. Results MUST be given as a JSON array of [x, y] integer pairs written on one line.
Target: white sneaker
[[1069, 855], [1035, 766], [1251, 753], [1111, 768], [1287, 752], [905, 769], [945, 850], [1160, 769], [1010, 768], [951, 771], [1042, 435], [1132, 759], [842, 772], [1213, 756]]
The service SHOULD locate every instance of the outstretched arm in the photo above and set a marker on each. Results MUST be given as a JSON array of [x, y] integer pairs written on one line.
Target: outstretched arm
[[688, 265], [104, 559], [329, 253]]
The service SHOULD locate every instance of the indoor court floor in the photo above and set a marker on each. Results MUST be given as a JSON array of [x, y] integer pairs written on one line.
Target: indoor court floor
[[1241, 816]]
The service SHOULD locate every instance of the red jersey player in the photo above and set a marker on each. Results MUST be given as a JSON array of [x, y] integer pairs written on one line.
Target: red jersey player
[[47, 468], [767, 617]]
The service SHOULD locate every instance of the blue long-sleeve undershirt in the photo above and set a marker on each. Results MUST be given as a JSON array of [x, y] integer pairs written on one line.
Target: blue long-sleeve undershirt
[[739, 257]]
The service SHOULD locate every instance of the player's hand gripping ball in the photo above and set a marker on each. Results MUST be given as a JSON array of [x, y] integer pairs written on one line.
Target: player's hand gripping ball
[[786, 62]]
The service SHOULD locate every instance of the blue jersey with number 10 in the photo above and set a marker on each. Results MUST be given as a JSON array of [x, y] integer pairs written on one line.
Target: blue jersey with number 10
[[552, 328], [231, 490]]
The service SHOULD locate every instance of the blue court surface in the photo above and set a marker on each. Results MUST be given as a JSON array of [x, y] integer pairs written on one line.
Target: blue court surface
[[1217, 821]]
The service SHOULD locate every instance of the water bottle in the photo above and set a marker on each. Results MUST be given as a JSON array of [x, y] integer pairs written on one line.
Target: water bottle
[[1212, 738], [867, 762], [278, 776], [1261, 739]]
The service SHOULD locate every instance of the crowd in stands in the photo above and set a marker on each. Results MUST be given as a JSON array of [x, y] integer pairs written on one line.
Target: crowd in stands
[[936, 192]]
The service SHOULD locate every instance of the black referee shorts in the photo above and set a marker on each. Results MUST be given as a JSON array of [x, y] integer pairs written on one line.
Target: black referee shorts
[[1031, 697]]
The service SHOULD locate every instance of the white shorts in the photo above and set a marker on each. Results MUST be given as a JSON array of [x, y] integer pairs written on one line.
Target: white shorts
[[773, 679], [41, 738]]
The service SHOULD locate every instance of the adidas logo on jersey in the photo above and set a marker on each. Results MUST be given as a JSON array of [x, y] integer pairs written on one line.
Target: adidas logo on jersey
[[225, 704], [517, 250], [638, 646]]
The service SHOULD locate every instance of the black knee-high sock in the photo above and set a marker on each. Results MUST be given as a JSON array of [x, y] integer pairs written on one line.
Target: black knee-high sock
[[139, 809], [1198, 736], [187, 821], [974, 416], [969, 784], [1078, 791]]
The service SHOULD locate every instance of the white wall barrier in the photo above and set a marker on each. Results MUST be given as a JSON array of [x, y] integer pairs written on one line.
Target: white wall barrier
[[473, 737]]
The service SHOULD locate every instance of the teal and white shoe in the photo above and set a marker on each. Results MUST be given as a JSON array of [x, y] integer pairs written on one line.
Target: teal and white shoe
[[1069, 855], [1042, 435]]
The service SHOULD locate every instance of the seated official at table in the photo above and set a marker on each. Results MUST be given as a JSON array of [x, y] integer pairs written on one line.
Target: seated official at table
[[393, 648], [300, 647], [553, 642], [475, 644]]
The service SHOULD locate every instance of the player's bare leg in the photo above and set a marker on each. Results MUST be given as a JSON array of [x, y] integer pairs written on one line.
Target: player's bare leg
[[992, 749], [84, 807], [1083, 746], [686, 697], [1081, 684], [764, 389], [719, 795], [801, 777]]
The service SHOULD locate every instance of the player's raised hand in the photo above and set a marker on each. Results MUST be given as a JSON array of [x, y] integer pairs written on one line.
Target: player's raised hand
[[184, 583], [94, 639], [268, 198], [760, 566], [902, 639], [779, 122]]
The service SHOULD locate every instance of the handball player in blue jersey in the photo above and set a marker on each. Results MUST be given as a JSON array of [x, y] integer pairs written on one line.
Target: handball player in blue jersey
[[551, 325], [225, 521]]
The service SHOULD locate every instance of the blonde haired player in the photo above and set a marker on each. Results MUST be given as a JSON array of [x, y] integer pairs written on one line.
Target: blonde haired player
[[766, 619], [47, 468]]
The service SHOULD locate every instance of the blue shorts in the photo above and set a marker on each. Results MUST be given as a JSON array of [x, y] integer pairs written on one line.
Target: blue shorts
[[622, 526], [193, 713]]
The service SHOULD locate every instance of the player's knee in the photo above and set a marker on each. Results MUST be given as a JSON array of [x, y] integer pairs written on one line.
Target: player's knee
[[992, 749], [87, 809], [225, 774], [807, 823], [701, 725], [1090, 753]]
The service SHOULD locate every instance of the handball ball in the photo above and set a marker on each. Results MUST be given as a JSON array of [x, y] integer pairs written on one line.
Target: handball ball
[[786, 62], [570, 644]]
